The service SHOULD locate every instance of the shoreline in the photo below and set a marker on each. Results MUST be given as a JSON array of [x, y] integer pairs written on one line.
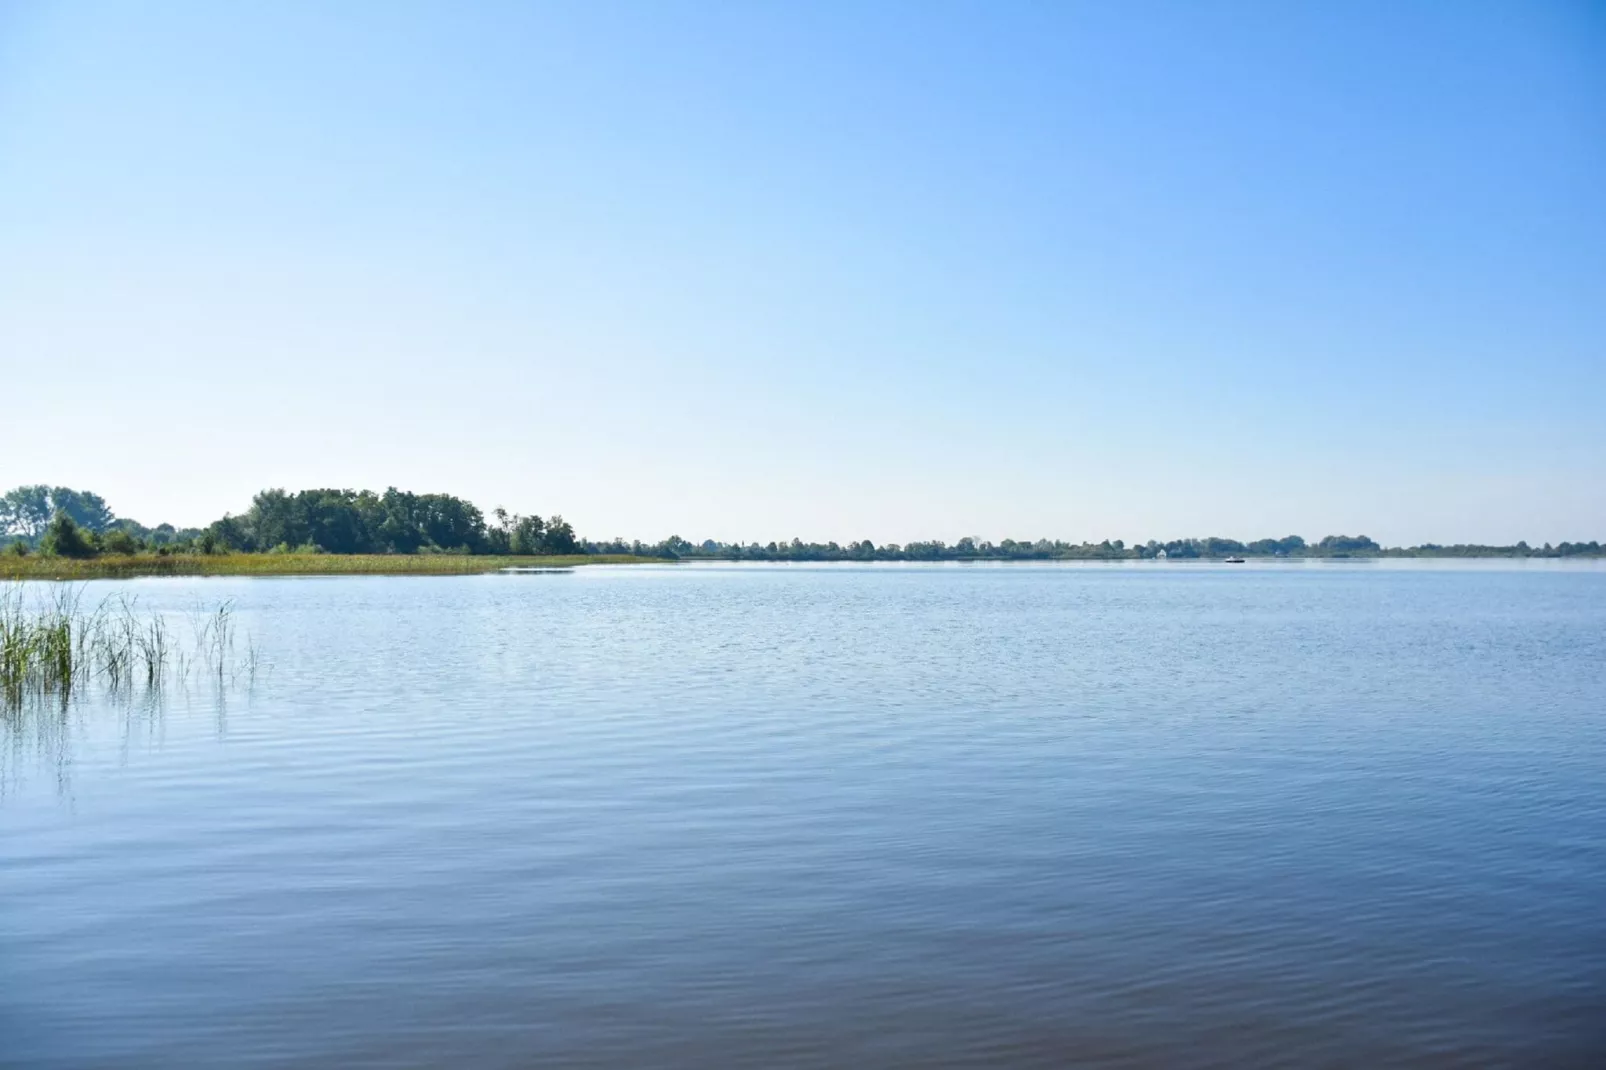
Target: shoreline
[[36, 567]]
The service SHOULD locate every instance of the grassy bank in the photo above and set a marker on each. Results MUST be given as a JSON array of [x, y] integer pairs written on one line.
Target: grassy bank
[[111, 566]]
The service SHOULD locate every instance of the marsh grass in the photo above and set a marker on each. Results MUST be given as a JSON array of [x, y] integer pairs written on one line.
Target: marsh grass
[[51, 645], [112, 566]]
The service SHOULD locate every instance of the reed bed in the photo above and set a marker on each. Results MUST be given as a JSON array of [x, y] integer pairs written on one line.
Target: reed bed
[[52, 645], [112, 566]]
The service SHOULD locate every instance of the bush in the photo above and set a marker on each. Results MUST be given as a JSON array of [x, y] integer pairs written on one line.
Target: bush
[[119, 542], [64, 538]]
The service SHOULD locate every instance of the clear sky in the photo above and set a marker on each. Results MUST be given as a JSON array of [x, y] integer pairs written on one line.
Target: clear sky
[[749, 271]]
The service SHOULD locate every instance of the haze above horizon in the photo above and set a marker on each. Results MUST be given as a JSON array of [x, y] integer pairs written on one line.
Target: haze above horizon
[[746, 273]]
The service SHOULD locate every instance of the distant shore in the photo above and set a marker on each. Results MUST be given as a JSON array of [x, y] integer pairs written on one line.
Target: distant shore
[[40, 567], [108, 566], [60, 533]]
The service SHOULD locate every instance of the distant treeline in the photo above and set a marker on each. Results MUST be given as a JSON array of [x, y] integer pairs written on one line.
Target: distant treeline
[[395, 522], [1110, 550], [73, 523]]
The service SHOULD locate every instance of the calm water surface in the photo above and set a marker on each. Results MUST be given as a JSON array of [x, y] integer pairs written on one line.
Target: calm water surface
[[1160, 815]]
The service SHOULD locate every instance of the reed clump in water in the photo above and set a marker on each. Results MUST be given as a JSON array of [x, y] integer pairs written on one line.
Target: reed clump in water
[[52, 645]]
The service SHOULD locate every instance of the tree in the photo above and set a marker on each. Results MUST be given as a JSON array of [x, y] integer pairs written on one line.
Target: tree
[[119, 542], [273, 519], [1346, 543], [559, 537], [335, 521], [527, 535], [498, 537], [451, 523], [64, 538], [26, 511], [88, 510], [232, 533], [398, 532]]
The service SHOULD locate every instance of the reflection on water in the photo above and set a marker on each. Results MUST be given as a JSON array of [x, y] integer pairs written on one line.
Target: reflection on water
[[826, 816], [66, 656], [38, 736]]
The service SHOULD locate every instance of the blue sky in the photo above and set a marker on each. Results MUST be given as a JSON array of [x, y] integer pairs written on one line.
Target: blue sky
[[749, 271]]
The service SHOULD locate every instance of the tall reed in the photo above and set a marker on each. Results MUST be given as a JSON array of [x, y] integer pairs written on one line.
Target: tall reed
[[51, 645]]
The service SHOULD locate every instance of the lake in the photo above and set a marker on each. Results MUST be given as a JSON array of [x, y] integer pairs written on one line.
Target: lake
[[1151, 814]]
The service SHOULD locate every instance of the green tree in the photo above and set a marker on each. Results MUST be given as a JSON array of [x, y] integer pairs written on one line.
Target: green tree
[[64, 538], [87, 509], [26, 511], [274, 518], [451, 523], [232, 533], [1346, 544], [559, 537], [398, 530], [334, 521], [527, 535], [119, 542]]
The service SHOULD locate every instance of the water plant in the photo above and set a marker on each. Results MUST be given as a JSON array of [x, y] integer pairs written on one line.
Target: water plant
[[52, 645]]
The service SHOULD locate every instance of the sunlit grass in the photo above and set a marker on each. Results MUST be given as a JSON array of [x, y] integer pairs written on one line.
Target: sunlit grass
[[38, 567]]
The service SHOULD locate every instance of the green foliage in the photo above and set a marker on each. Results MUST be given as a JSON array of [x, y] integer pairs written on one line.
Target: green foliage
[[64, 538], [88, 510], [28, 511], [1284, 547], [119, 542], [343, 523], [1345, 544], [53, 647], [1593, 548], [518, 535], [354, 522], [526, 535], [559, 537]]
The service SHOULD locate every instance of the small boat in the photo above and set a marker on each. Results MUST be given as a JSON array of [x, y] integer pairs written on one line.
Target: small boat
[[1235, 560]]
